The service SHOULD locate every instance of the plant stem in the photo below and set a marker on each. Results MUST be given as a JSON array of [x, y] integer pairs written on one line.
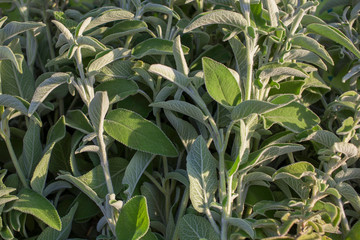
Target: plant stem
[[16, 162], [250, 62]]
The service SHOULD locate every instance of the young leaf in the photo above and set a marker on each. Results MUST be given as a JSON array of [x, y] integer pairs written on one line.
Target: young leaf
[[134, 131], [45, 88], [98, 108], [33, 203], [201, 168], [155, 46], [333, 34], [220, 83], [82, 26], [66, 223], [226, 17], [66, 32], [296, 170], [138, 164], [133, 222], [192, 227]]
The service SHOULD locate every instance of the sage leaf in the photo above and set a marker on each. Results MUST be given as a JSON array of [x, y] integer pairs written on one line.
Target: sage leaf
[[33, 203], [137, 165], [109, 16], [13, 102], [66, 223], [333, 34], [45, 88], [13, 28], [134, 131], [133, 222], [78, 120], [201, 168], [170, 74], [98, 108], [192, 227], [7, 54], [226, 17], [296, 170], [107, 58], [118, 89], [220, 83]]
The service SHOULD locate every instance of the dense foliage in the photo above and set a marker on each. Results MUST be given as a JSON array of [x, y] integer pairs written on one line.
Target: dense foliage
[[179, 119]]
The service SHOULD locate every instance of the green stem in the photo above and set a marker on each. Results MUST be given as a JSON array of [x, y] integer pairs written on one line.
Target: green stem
[[249, 60], [15, 162]]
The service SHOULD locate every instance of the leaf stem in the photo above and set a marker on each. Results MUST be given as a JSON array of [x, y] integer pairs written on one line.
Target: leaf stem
[[250, 62]]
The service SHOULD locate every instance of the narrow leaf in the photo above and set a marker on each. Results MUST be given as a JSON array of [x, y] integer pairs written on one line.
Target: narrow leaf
[[98, 108]]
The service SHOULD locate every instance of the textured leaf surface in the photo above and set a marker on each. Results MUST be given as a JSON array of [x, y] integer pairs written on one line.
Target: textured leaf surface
[[136, 132], [33, 203], [192, 227]]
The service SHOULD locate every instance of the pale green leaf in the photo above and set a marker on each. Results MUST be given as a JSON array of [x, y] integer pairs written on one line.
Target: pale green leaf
[[108, 58], [170, 74], [13, 28], [124, 28], [137, 165], [118, 89], [296, 170], [7, 54], [45, 88], [192, 227], [13, 102], [201, 168], [226, 17], [349, 149], [110, 16], [179, 57], [98, 108]]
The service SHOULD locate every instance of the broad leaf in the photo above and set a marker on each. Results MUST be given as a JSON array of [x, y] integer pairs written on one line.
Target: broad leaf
[[134, 131], [7, 54], [33, 203], [13, 102], [243, 225], [192, 227], [296, 170], [13, 28], [107, 58], [170, 74], [124, 28], [133, 221], [110, 16], [201, 168], [220, 83], [118, 89]]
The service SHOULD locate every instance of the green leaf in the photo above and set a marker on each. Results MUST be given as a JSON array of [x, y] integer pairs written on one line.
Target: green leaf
[[137, 166], [57, 131], [348, 174], [38, 179], [134, 131], [45, 88], [32, 149], [293, 116], [78, 120], [98, 108], [155, 46], [170, 74], [313, 46], [153, 7], [65, 32], [82, 187], [118, 89], [220, 83], [192, 227], [201, 168], [110, 16], [80, 28], [305, 56], [66, 223], [133, 221], [350, 194], [275, 69], [179, 57], [248, 107], [13, 102], [226, 17], [33, 203], [13, 28], [243, 225], [323, 137], [333, 34], [346, 126], [124, 28], [349, 149], [354, 232], [296, 170], [182, 107], [7, 54], [107, 58]]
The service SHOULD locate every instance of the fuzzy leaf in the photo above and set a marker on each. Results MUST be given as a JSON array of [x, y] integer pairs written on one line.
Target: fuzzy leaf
[[192, 227], [201, 168], [118, 89], [78, 120], [98, 108], [296, 170], [138, 164], [13, 28], [33, 203], [170, 74], [108, 58], [7, 54], [134, 131], [110, 16], [45, 88], [226, 17]]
